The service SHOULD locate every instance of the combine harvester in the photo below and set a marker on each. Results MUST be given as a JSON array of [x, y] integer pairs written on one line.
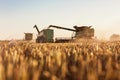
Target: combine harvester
[[46, 35]]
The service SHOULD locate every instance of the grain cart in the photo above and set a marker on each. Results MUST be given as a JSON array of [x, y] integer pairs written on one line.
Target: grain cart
[[28, 36], [44, 36]]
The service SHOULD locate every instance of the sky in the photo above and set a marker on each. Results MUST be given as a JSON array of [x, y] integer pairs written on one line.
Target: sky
[[19, 16]]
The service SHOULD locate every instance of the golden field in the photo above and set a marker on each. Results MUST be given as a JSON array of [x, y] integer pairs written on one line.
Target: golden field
[[86, 60]]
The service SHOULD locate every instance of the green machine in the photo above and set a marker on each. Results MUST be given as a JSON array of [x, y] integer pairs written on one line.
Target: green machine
[[44, 36], [80, 32]]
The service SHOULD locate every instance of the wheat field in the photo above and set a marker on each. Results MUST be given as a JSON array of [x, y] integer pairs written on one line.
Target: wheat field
[[86, 60]]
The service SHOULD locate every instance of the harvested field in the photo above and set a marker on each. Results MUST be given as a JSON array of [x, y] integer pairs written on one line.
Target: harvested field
[[60, 61]]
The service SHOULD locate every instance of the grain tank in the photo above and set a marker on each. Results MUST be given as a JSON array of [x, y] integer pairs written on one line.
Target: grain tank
[[84, 32]]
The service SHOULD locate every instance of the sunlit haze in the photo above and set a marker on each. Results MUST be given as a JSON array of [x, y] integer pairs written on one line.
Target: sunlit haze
[[19, 16]]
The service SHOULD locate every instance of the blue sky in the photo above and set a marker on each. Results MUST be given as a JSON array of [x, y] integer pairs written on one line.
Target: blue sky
[[19, 16]]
